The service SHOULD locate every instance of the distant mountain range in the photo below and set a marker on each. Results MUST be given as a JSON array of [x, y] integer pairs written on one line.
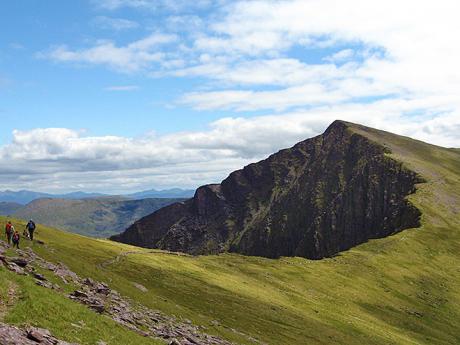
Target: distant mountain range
[[96, 217], [24, 197]]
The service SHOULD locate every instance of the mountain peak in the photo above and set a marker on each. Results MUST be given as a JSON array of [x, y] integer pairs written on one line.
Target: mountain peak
[[324, 195]]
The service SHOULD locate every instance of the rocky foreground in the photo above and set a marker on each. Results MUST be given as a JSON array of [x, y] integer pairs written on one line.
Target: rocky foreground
[[99, 297], [10, 335]]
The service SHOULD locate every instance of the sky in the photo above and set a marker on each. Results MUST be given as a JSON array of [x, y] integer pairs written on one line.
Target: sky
[[118, 96]]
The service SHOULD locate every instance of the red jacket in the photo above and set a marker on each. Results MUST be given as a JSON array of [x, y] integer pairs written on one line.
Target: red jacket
[[8, 228]]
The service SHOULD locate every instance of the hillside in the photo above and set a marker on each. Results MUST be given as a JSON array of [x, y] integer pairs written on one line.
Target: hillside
[[97, 217], [401, 289], [7, 208], [320, 197]]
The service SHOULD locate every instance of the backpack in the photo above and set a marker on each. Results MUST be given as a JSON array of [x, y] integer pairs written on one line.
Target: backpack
[[16, 237], [8, 229], [31, 226]]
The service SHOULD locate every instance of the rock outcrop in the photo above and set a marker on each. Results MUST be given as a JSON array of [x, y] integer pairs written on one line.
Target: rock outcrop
[[11, 335], [322, 196], [100, 298]]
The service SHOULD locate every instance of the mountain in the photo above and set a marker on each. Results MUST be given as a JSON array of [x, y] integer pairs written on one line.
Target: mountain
[[21, 197], [322, 196], [98, 217], [399, 289], [8, 208], [25, 196], [166, 193]]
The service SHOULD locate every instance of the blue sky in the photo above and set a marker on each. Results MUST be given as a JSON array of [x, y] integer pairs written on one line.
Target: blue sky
[[123, 95], [42, 93]]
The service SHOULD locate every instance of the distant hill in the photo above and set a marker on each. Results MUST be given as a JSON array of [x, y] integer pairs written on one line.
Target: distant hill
[[96, 217], [25, 196], [323, 196], [167, 193], [8, 208]]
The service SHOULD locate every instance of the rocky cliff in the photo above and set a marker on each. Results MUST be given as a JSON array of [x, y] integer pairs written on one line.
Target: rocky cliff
[[322, 196]]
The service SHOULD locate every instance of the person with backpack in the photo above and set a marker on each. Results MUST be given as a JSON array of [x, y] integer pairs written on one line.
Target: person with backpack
[[8, 231], [16, 237], [30, 227]]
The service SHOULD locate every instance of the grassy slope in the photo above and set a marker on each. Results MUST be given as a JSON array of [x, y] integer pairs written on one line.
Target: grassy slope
[[404, 289], [34, 305]]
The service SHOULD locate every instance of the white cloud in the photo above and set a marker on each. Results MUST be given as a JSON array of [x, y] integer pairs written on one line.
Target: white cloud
[[392, 65], [117, 24], [403, 49], [341, 55], [63, 159], [130, 58]]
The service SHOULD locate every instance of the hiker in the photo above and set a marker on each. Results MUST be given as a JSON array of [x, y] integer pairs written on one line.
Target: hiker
[[8, 231], [31, 228], [16, 237]]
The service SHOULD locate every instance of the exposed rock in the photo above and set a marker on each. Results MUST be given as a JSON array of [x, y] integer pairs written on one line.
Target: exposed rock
[[21, 262], [98, 308], [102, 288], [47, 284], [38, 334], [89, 282], [140, 287], [10, 335], [15, 268], [79, 294], [322, 196], [99, 297], [39, 276]]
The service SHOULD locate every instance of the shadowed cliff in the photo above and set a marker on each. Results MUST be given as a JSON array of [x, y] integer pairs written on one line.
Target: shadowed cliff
[[322, 196]]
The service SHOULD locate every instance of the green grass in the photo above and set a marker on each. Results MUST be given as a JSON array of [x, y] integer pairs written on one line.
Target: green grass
[[66, 319], [403, 289]]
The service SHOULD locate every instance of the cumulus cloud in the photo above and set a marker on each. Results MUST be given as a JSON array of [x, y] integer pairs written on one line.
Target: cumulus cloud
[[392, 65], [63, 159]]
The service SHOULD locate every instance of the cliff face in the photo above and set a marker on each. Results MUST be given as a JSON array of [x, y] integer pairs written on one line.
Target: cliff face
[[322, 196]]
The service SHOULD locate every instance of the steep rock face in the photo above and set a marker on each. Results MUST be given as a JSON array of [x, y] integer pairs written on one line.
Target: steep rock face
[[322, 196]]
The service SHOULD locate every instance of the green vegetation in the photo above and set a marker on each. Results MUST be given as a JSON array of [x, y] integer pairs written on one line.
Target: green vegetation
[[96, 217], [403, 289], [68, 320]]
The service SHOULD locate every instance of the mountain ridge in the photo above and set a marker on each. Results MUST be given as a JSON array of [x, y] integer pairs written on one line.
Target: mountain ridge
[[24, 197], [301, 201]]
